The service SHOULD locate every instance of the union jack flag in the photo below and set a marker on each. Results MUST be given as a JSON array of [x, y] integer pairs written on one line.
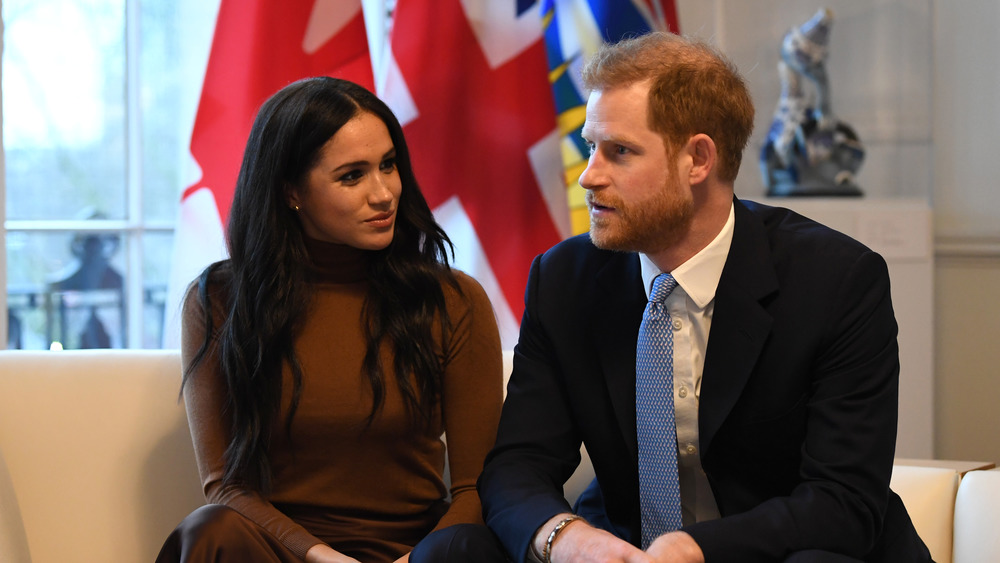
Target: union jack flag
[[467, 78]]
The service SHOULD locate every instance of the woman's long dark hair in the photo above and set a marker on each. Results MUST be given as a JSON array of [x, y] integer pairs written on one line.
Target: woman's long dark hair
[[264, 277]]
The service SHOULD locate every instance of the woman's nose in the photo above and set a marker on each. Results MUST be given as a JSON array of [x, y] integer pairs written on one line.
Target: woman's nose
[[380, 192]]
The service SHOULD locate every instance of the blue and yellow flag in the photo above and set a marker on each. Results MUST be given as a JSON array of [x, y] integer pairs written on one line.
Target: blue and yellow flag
[[574, 29]]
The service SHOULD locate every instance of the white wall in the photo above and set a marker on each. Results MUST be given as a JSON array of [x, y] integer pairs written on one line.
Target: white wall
[[966, 87], [918, 81]]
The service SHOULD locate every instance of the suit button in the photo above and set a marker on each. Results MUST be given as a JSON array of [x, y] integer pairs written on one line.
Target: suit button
[[683, 392], [677, 324], [691, 449]]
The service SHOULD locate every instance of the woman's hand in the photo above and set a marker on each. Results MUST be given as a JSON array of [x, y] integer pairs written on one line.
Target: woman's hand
[[322, 553]]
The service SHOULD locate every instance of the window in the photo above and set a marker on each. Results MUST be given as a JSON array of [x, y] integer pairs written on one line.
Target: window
[[98, 101]]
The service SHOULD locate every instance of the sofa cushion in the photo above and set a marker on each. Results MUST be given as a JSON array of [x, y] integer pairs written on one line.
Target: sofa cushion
[[929, 496]]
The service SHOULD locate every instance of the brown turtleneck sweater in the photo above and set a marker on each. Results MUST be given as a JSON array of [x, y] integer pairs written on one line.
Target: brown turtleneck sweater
[[371, 493]]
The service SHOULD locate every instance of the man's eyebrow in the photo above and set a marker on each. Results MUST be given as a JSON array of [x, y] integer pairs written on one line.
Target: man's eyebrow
[[615, 139]]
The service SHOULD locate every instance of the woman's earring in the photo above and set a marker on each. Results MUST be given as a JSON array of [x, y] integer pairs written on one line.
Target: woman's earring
[[295, 207]]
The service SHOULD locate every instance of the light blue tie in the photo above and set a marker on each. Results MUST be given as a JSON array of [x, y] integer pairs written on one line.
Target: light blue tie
[[659, 487]]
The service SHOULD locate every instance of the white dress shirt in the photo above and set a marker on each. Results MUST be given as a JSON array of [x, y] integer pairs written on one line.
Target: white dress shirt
[[691, 305]]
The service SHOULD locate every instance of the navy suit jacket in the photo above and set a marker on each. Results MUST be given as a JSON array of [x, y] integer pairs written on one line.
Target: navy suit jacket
[[797, 414]]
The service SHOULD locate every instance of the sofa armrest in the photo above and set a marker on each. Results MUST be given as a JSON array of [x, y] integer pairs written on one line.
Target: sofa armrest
[[977, 514]]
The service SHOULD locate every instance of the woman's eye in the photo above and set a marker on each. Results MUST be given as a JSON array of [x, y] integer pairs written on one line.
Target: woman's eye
[[387, 165], [351, 177]]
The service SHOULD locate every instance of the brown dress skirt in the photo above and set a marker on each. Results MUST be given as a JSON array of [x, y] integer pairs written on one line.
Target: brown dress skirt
[[215, 534]]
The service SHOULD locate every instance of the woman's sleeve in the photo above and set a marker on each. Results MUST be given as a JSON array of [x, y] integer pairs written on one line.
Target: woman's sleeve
[[472, 395], [204, 395]]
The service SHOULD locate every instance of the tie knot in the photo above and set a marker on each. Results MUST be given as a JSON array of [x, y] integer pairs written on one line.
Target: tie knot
[[663, 284]]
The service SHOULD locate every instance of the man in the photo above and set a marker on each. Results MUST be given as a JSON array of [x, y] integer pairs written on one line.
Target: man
[[776, 347]]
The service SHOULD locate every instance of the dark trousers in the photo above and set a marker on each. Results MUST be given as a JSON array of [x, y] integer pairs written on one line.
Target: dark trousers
[[461, 543], [817, 556]]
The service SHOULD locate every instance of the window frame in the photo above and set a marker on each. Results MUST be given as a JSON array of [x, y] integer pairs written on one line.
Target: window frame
[[131, 230]]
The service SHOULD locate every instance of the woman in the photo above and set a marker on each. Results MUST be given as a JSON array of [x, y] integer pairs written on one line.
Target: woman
[[325, 357]]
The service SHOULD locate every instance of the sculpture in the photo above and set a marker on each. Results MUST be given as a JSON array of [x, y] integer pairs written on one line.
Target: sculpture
[[808, 151]]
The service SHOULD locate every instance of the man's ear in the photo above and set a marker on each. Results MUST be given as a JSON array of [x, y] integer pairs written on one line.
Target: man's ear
[[701, 150]]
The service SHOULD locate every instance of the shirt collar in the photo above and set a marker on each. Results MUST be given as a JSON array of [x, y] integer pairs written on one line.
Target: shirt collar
[[699, 275]]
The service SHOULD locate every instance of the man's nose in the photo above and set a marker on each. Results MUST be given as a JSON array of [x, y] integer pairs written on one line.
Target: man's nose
[[593, 176]]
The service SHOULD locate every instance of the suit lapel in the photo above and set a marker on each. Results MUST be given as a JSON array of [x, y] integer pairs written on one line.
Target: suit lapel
[[615, 329], [740, 324]]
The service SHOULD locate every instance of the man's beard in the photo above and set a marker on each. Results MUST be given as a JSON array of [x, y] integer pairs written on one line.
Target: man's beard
[[647, 227]]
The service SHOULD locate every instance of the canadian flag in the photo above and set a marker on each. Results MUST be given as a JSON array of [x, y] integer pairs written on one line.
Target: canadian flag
[[259, 46], [468, 80]]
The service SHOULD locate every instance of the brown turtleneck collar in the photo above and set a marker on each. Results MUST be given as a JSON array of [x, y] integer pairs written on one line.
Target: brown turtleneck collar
[[336, 263]]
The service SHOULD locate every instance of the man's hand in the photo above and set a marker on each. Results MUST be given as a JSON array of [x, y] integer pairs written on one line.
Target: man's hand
[[581, 542], [675, 547]]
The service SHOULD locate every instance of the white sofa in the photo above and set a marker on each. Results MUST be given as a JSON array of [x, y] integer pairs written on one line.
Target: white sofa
[[99, 465], [98, 451]]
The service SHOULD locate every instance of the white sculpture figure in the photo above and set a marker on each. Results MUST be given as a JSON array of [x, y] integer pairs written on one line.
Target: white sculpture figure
[[808, 151]]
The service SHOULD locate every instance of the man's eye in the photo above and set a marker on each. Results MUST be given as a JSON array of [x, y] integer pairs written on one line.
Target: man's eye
[[590, 147], [621, 150]]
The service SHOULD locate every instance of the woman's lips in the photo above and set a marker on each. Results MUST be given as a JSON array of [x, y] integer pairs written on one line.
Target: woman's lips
[[382, 219]]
